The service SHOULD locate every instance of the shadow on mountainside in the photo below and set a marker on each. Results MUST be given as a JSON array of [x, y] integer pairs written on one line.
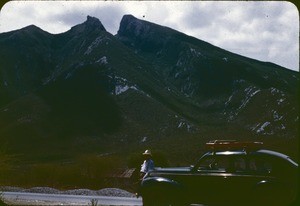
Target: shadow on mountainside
[[82, 103]]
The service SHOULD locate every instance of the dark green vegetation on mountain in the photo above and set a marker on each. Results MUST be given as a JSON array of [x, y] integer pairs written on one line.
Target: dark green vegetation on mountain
[[71, 102]]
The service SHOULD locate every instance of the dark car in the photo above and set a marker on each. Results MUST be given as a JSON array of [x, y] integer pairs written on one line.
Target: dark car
[[230, 173]]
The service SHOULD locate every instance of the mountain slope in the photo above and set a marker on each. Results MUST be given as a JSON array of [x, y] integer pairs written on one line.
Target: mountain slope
[[24, 63], [89, 91], [93, 80], [214, 80]]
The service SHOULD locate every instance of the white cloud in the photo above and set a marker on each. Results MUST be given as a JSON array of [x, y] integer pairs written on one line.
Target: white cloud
[[267, 31]]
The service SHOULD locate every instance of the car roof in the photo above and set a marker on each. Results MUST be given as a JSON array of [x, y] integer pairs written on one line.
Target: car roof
[[229, 152], [272, 153], [243, 152], [260, 151], [276, 154]]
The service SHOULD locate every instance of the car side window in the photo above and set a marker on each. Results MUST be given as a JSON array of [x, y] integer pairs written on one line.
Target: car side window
[[260, 165], [240, 164], [221, 163], [206, 163]]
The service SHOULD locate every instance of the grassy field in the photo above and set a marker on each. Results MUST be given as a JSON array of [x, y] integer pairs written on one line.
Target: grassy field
[[86, 166]]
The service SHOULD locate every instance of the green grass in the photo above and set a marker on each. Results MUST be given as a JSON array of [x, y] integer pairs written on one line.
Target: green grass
[[35, 155], [86, 171], [89, 168]]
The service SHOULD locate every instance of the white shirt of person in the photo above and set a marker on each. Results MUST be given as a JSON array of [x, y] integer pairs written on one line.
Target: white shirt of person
[[147, 166]]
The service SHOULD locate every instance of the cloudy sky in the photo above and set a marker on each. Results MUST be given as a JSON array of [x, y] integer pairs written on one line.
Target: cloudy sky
[[267, 31]]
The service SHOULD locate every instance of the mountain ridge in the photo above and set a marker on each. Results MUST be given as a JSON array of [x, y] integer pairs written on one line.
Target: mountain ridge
[[129, 19]]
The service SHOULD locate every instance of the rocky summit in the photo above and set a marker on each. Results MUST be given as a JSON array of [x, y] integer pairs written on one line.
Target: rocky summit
[[147, 86]]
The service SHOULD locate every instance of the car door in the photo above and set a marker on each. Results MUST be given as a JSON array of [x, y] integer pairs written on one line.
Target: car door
[[209, 182], [274, 179], [226, 179], [245, 175]]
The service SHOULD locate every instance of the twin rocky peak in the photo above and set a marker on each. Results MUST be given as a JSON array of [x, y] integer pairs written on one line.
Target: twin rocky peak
[[128, 24]]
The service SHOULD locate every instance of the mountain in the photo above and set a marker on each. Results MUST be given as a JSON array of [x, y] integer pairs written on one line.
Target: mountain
[[87, 90], [216, 81]]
